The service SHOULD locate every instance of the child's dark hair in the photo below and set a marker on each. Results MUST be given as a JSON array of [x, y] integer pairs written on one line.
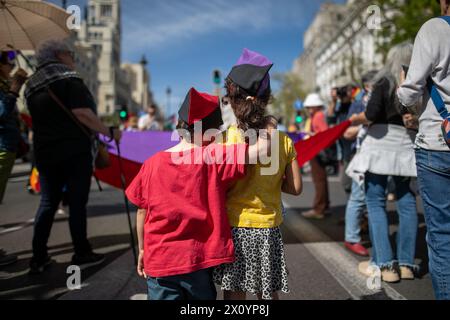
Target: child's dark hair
[[250, 111], [184, 130], [3, 57]]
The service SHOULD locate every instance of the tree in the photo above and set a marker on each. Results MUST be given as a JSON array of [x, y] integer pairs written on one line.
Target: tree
[[403, 21], [290, 91]]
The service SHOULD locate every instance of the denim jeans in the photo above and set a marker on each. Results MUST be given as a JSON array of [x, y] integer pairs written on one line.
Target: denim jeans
[[353, 213], [74, 174], [382, 253], [433, 177], [197, 285]]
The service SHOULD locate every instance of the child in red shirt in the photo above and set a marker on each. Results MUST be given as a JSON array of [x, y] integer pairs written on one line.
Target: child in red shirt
[[182, 224]]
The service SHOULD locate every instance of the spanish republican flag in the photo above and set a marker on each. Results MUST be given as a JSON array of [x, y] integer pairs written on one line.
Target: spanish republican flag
[[309, 148]]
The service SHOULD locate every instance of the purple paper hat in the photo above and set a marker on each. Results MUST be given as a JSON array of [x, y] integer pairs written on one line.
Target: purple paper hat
[[251, 72]]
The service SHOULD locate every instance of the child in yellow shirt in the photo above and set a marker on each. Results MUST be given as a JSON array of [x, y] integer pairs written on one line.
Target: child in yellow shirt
[[254, 203]]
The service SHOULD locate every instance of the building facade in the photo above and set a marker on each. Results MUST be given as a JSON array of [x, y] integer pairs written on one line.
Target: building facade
[[101, 30], [139, 81], [339, 47], [319, 32]]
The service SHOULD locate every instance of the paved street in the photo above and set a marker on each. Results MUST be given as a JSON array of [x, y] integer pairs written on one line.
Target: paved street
[[319, 266]]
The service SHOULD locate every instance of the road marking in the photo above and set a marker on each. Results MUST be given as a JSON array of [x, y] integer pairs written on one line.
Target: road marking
[[330, 179], [337, 261], [18, 226], [139, 296]]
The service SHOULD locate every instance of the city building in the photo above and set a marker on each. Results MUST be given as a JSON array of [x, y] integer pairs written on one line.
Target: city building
[[338, 47], [319, 32], [101, 30], [86, 64], [139, 81]]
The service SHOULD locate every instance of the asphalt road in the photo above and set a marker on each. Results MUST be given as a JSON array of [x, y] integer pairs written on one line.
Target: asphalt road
[[319, 266]]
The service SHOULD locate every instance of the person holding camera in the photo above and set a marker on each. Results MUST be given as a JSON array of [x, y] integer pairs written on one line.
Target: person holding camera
[[428, 74], [341, 100], [64, 123], [9, 125]]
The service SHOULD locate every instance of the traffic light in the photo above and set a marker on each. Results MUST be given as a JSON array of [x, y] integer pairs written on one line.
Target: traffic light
[[216, 77], [298, 117], [123, 113]]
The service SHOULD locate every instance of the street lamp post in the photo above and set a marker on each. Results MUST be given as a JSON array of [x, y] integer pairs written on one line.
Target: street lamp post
[[168, 93], [217, 79]]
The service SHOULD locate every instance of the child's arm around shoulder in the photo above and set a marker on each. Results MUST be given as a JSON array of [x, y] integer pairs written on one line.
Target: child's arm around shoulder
[[292, 183]]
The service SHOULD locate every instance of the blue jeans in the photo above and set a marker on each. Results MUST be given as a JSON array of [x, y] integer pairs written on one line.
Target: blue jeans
[[353, 213], [382, 253], [197, 285], [433, 176], [74, 174]]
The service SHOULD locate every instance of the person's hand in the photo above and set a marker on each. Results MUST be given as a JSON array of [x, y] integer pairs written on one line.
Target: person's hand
[[17, 81], [140, 264], [353, 118], [117, 135], [410, 121], [402, 77]]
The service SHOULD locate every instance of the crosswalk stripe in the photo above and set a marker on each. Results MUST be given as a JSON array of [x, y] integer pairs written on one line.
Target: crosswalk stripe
[[338, 262]]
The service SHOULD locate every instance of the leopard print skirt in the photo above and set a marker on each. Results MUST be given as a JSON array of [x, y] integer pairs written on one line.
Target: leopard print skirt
[[260, 266]]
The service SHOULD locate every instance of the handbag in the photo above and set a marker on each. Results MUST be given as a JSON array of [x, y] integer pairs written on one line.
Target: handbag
[[99, 148], [328, 156]]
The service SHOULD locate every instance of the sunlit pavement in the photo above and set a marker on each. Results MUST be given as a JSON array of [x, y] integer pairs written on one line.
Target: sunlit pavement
[[319, 266]]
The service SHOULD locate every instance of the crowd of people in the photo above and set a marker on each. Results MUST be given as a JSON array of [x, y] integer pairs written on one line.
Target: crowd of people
[[400, 131], [207, 212]]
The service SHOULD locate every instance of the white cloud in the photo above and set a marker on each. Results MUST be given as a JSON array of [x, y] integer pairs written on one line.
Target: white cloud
[[158, 24]]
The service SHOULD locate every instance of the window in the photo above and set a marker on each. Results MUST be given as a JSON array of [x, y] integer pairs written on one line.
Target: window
[[106, 10]]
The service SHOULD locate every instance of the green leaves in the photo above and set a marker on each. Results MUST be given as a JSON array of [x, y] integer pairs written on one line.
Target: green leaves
[[405, 22]]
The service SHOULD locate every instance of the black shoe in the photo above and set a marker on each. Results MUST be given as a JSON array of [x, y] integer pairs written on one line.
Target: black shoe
[[38, 266], [87, 260]]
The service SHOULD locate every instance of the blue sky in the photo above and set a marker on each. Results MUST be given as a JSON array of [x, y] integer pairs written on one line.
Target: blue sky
[[185, 40]]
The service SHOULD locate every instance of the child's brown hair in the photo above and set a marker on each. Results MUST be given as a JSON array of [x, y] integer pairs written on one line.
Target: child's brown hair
[[250, 111]]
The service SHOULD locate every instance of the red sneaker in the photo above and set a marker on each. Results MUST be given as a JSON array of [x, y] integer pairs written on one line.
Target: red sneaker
[[357, 248]]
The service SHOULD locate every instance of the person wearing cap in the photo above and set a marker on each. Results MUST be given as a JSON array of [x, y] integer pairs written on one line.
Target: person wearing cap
[[182, 225], [9, 125], [254, 203], [315, 106]]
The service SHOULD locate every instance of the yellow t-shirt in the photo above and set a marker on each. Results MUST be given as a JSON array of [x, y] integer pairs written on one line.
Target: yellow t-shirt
[[255, 201]]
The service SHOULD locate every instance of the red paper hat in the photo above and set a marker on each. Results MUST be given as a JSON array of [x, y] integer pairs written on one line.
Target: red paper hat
[[201, 106]]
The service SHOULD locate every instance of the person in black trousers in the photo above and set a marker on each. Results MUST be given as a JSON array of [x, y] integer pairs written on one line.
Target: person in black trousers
[[63, 149]]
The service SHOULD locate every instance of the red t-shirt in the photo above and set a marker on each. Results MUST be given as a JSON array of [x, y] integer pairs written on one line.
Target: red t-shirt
[[186, 226], [318, 122]]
